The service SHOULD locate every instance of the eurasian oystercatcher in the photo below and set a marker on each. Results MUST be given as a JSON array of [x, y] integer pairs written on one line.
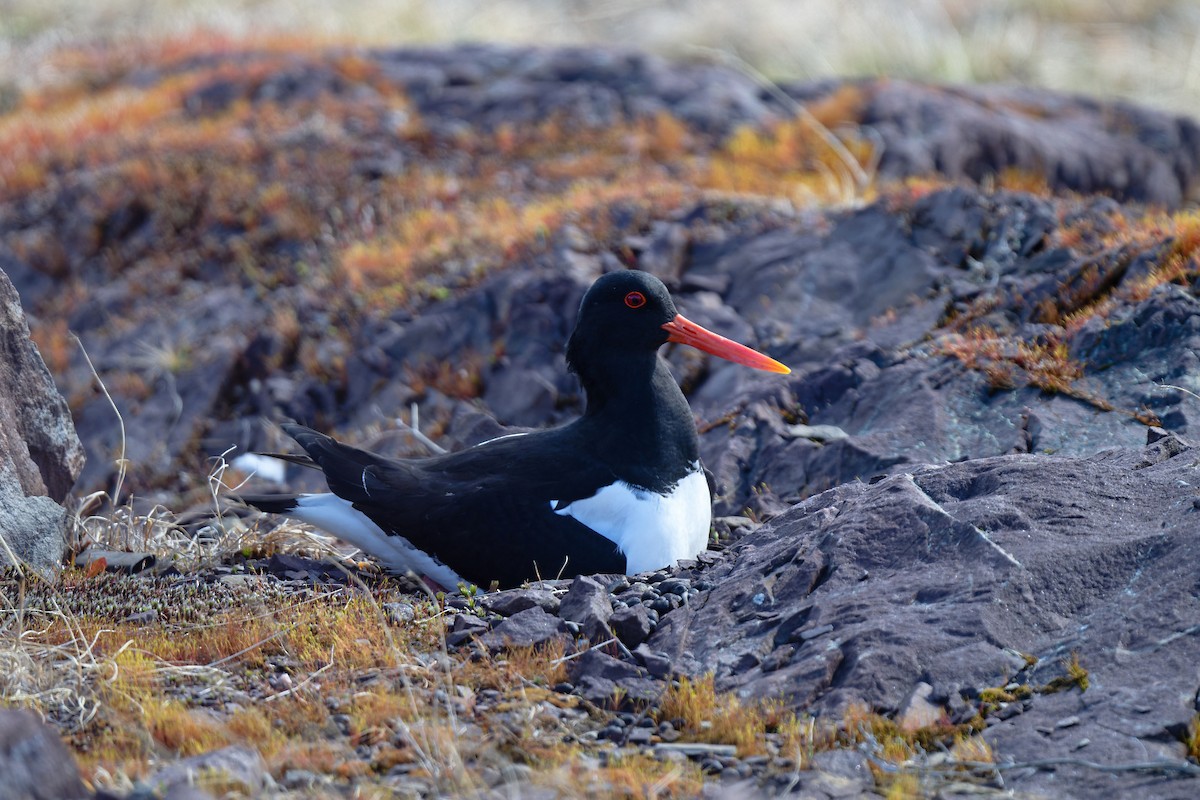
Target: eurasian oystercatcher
[[619, 490]]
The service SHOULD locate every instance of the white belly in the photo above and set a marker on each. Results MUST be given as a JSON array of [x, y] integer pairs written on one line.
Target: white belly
[[652, 530]]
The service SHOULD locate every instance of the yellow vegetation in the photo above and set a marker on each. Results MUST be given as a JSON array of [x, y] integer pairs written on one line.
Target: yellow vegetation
[[712, 716]]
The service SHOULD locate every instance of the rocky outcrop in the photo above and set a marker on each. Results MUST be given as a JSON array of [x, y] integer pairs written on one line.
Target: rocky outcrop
[[991, 573], [40, 455]]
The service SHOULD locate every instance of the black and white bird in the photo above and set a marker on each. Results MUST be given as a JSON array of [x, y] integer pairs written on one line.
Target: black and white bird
[[619, 490]]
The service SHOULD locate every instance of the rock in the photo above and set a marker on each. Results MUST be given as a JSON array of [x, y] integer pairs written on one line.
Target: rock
[[631, 625], [527, 628], [918, 711], [993, 557], [925, 130], [656, 663], [34, 528], [40, 454], [512, 601], [465, 628], [236, 766], [588, 604], [600, 678], [40, 445], [841, 773], [36, 765], [399, 613]]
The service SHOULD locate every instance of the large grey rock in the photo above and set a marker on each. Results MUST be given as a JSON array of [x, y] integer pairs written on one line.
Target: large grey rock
[[40, 455], [34, 763], [949, 576], [34, 528]]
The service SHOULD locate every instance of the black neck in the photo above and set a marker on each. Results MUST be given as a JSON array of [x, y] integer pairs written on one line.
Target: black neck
[[637, 419]]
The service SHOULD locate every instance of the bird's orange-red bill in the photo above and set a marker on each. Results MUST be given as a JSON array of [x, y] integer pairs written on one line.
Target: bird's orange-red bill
[[684, 331]]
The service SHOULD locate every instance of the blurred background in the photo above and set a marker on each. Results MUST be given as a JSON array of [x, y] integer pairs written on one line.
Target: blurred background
[[1145, 50]]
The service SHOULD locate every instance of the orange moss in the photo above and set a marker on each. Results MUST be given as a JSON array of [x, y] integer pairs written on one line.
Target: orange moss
[[711, 716]]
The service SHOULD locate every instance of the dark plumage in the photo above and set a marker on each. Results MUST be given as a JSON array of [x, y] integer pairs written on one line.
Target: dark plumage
[[619, 489]]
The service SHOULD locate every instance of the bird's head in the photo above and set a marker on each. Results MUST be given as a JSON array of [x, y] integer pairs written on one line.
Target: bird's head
[[631, 312]]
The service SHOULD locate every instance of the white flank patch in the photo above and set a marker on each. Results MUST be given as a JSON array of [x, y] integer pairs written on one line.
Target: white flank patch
[[331, 513], [265, 467], [652, 531]]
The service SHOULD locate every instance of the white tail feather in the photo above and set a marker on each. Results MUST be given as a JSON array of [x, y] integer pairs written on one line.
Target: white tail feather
[[339, 517]]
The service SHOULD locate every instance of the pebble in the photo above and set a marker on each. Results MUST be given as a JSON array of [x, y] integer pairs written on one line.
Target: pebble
[[399, 613], [619, 585], [639, 736], [677, 586], [613, 733]]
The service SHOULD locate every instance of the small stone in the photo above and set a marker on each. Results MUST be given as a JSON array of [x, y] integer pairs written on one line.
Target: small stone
[[513, 601], [599, 678], [527, 628], [465, 628], [619, 585], [399, 613], [1009, 710], [918, 711], [657, 664], [677, 586], [613, 733], [1067, 722], [589, 604], [237, 766], [813, 633], [631, 625], [639, 736]]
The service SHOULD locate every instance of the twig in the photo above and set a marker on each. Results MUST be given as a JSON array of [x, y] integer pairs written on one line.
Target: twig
[[415, 430], [122, 464], [1178, 389], [862, 179], [564, 659]]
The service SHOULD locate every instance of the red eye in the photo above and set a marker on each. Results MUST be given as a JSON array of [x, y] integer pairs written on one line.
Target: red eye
[[635, 299]]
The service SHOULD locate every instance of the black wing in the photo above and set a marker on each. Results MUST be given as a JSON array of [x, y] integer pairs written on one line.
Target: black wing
[[486, 511]]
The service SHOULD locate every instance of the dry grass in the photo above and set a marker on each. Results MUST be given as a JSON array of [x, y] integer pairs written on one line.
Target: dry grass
[[1144, 49]]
